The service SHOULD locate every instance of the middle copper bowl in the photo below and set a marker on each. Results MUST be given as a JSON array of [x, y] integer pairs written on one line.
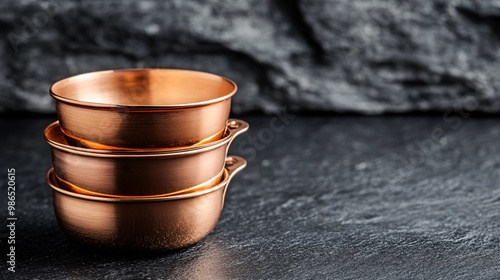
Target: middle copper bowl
[[140, 173]]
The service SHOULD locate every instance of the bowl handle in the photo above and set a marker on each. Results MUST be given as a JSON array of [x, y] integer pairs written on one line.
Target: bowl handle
[[235, 127], [234, 164]]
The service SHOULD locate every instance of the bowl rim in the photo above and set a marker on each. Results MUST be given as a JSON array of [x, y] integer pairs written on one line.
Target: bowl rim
[[53, 184], [132, 107], [234, 164], [217, 179], [228, 136]]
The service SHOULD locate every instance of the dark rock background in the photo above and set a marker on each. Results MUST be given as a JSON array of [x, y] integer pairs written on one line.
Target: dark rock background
[[307, 55]]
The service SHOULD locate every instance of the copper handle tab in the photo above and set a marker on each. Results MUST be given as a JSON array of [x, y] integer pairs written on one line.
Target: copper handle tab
[[234, 164], [235, 128]]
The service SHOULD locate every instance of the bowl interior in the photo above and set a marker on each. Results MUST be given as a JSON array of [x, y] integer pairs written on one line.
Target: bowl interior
[[143, 87]]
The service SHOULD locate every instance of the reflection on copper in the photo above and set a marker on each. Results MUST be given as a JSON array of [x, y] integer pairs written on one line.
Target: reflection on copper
[[203, 186], [143, 108]]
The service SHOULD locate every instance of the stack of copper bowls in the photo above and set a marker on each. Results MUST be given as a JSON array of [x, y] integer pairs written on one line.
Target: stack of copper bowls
[[140, 156]]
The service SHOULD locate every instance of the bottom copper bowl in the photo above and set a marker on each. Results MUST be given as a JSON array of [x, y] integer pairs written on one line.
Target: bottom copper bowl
[[138, 223]]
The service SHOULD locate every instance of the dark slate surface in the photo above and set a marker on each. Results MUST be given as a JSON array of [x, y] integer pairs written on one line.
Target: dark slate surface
[[323, 197], [343, 55]]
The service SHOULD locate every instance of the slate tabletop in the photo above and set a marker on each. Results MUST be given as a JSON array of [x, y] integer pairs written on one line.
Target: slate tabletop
[[323, 197]]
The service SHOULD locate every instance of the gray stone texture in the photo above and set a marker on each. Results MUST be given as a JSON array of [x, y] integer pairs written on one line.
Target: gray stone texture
[[308, 55], [384, 199]]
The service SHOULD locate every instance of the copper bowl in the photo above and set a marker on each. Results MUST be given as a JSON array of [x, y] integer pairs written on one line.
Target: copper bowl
[[141, 173], [161, 223], [143, 108]]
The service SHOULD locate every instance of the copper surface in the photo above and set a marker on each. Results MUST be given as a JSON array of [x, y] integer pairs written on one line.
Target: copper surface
[[140, 173], [160, 223], [143, 108], [79, 142], [203, 186]]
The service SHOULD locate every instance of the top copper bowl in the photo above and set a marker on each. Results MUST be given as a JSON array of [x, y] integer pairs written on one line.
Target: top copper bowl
[[143, 108]]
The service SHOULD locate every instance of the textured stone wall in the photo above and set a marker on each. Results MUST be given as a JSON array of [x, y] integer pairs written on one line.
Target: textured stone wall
[[308, 55]]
